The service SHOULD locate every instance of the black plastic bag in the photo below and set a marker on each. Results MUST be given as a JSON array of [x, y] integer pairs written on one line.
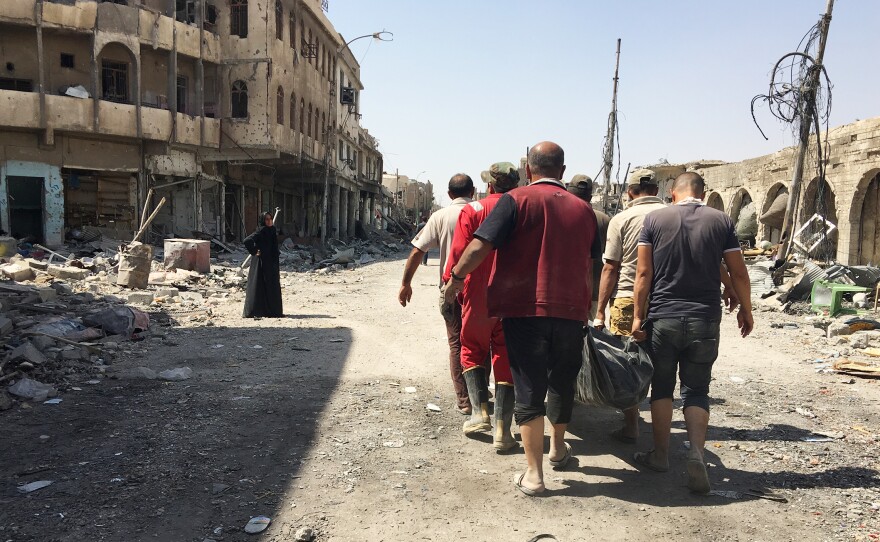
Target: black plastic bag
[[616, 371]]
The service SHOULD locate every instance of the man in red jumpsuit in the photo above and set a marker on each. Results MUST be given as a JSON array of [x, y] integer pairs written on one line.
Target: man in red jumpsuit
[[482, 336]]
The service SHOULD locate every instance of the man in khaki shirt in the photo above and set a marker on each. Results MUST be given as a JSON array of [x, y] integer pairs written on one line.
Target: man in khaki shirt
[[619, 272], [437, 233]]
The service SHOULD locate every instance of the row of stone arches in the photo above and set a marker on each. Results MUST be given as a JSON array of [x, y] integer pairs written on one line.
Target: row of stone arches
[[819, 197]]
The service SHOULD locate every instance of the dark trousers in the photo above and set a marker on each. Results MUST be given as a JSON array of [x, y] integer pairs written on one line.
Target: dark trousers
[[545, 358], [453, 335], [688, 345]]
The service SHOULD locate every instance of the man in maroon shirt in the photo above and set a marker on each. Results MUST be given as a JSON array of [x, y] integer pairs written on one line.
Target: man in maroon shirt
[[541, 288], [482, 335]]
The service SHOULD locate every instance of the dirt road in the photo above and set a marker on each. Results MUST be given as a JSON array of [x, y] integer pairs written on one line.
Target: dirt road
[[308, 420]]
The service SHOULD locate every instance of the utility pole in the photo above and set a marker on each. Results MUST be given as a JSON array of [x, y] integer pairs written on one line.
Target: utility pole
[[609, 137], [806, 107]]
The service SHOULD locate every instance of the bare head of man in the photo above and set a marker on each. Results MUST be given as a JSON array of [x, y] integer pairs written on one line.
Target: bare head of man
[[546, 160], [460, 186], [688, 185]]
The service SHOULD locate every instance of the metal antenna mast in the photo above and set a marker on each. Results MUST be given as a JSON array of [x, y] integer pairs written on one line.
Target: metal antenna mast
[[608, 154]]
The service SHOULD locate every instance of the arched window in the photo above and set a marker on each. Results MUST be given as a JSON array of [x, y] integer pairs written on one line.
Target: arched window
[[309, 133], [323, 122], [302, 116], [279, 105], [292, 31], [239, 100], [317, 126], [279, 20], [293, 111], [238, 18]]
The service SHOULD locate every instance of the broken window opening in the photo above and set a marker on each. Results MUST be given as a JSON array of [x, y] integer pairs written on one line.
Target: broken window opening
[[292, 110], [67, 60], [20, 85], [279, 106], [292, 31], [114, 81], [239, 100], [309, 133], [185, 11], [279, 20], [302, 115], [210, 22], [317, 126], [181, 95], [238, 17]]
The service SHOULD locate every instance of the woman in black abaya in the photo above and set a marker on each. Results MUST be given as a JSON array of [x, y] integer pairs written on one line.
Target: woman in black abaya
[[264, 278]]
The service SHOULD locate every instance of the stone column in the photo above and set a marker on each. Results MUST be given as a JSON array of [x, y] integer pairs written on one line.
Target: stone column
[[352, 211], [371, 217], [335, 230]]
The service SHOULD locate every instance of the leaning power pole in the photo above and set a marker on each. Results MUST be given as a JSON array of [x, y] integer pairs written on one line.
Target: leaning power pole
[[806, 109], [608, 153]]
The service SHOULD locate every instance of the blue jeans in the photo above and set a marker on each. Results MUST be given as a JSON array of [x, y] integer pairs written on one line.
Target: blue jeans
[[689, 345]]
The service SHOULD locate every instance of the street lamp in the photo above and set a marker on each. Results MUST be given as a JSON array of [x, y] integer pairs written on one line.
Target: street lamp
[[331, 129]]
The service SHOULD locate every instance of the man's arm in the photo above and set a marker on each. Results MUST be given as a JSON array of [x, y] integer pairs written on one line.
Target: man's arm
[[739, 277], [644, 277], [409, 270], [729, 295], [476, 251], [610, 276]]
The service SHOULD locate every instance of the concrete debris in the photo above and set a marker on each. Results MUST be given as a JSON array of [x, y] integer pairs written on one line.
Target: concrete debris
[[18, 271], [176, 375], [28, 352], [33, 390], [304, 534]]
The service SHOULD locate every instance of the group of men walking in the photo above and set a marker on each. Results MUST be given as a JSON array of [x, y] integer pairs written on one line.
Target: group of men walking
[[520, 272]]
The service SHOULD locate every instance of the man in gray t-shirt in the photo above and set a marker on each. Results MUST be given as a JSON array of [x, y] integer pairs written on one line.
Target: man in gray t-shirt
[[680, 249]]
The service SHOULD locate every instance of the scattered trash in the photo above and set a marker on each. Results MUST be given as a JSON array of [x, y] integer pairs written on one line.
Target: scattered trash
[[804, 412], [393, 444], [176, 375], [337, 340], [784, 325], [756, 493], [857, 368], [817, 439], [33, 486], [432, 407], [52, 401], [409, 389], [257, 525]]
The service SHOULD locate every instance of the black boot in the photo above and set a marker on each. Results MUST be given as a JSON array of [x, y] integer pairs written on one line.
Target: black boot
[[477, 390], [504, 401]]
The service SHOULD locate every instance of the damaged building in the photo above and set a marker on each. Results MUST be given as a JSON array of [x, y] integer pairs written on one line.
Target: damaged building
[[223, 107], [849, 197]]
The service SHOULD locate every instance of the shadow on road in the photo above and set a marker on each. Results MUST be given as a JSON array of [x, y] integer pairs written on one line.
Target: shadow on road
[[150, 460]]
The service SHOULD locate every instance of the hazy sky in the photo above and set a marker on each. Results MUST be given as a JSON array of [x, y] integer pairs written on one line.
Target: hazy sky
[[467, 82]]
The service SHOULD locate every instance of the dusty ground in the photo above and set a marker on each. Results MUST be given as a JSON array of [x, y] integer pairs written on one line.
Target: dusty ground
[[316, 429]]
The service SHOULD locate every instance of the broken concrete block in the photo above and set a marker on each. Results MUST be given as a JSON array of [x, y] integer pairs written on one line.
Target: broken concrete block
[[41, 342], [28, 352], [167, 292], [139, 372], [5, 326], [32, 389], [74, 354], [47, 294], [839, 328], [194, 297], [18, 271], [66, 272], [859, 341], [140, 298], [61, 288], [36, 264]]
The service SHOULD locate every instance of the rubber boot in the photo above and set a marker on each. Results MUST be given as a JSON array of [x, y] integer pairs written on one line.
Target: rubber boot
[[477, 390], [504, 401]]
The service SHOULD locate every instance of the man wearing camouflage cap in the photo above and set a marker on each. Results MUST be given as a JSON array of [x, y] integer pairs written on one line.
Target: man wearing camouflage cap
[[481, 335], [582, 187], [619, 272]]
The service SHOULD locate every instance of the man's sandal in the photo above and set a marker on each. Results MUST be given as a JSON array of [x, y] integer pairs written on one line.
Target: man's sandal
[[561, 464], [643, 459]]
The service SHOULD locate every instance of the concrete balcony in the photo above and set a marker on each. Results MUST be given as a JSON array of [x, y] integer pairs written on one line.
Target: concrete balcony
[[69, 114], [156, 29], [19, 12], [19, 109], [117, 119], [187, 39], [156, 123], [189, 129], [79, 17]]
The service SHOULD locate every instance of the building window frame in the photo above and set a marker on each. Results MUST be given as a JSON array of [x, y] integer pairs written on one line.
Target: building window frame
[[115, 82], [182, 87], [279, 105], [292, 119], [238, 18], [239, 100], [279, 20]]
